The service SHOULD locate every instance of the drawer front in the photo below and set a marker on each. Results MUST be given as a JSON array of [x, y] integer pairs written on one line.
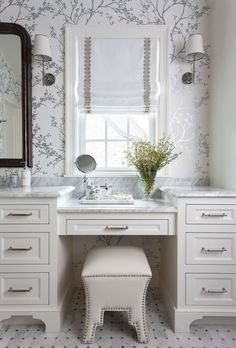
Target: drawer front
[[210, 249], [24, 288], [24, 214], [211, 214], [211, 289], [22, 248], [118, 227]]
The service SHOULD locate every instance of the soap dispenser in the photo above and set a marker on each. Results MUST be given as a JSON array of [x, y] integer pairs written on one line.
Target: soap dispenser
[[26, 177]]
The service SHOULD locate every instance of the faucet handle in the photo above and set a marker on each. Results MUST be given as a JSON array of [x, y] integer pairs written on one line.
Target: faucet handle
[[105, 186]]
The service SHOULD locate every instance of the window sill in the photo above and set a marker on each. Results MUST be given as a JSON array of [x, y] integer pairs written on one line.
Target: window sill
[[113, 174], [108, 173]]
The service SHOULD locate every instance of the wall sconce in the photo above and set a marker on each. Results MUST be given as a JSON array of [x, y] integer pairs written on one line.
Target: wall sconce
[[194, 52], [42, 53]]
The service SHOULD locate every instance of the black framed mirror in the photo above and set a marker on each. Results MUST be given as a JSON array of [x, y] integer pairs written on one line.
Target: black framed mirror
[[15, 96]]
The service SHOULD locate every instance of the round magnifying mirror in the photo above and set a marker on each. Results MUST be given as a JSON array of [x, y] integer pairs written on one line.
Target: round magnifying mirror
[[85, 163]]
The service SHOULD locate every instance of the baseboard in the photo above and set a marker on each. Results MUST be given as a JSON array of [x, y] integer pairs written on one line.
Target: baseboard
[[217, 321], [21, 320]]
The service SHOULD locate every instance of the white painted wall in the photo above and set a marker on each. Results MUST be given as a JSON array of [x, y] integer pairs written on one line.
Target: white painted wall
[[223, 94]]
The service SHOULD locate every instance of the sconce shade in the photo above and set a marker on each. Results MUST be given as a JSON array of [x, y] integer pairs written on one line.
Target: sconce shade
[[42, 49], [194, 48]]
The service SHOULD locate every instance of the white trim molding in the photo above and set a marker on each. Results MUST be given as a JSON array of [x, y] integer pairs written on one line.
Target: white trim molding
[[73, 35]]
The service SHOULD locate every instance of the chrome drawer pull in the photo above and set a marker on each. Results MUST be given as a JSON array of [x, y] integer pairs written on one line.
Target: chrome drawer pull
[[19, 249], [212, 250], [214, 215], [20, 214], [116, 227], [214, 291], [20, 290]]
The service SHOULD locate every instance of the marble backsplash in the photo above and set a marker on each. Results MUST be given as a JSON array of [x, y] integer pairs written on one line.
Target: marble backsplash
[[129, 184]]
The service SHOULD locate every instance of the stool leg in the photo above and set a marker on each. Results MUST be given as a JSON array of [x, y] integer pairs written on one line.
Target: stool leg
[[89, 331], [139, 321], [92, 319]]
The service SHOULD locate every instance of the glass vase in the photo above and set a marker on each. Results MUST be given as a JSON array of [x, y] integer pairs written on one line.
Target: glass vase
[[147, 183]]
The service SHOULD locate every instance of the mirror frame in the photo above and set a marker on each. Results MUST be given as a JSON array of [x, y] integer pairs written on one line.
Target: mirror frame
[[26, 85], [85, 155]]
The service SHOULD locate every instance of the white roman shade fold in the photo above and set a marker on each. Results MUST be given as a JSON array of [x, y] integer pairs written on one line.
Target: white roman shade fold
[[118, 75]]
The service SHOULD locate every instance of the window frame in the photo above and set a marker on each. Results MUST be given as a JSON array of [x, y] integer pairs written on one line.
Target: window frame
[[75, 33]]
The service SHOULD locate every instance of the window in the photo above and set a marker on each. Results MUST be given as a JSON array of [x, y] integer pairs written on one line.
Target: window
[[108, 134]]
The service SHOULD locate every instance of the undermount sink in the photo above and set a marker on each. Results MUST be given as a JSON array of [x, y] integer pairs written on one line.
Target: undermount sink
[[107, 201]]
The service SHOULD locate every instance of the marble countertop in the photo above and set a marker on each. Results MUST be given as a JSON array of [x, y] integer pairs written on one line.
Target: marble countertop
[[36, 192], [139, 206], [197, 191]]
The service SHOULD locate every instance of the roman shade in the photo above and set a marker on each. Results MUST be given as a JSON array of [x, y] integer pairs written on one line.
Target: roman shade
[[118, 75]]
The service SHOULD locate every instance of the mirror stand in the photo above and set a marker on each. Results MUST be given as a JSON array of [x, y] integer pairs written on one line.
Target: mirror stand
[[85, 164]]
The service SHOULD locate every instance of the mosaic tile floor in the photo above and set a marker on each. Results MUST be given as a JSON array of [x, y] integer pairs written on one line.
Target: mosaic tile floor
[[116, 333]]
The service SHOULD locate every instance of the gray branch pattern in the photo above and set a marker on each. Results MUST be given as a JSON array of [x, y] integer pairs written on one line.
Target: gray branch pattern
[[183, 17]]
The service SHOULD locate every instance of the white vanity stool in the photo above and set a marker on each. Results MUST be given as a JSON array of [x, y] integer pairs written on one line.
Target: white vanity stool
[[116, 279]]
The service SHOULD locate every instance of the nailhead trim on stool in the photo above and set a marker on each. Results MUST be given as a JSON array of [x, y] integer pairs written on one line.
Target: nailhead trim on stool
[[123, 309]]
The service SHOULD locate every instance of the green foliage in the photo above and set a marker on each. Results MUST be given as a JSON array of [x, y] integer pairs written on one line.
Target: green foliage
[[149, 158]]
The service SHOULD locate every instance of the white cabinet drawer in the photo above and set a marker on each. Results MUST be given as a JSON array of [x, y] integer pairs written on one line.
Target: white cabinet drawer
[[209, 248], [24, 248], [118, 227], [210, 214], [24, 214], [211, 289], [23, 288]]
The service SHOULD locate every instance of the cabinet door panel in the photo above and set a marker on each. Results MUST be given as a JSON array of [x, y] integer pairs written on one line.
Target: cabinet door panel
[[211, 289], [117, 227], [24, 248], [24, 288], [24, 214], [208, 214], [210, 249]]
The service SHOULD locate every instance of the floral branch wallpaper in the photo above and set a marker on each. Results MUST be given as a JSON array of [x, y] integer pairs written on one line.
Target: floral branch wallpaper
[[187, 121]]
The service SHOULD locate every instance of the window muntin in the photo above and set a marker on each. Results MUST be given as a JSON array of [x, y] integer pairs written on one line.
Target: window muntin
[[108, 137]]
